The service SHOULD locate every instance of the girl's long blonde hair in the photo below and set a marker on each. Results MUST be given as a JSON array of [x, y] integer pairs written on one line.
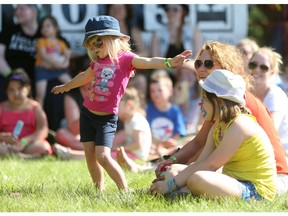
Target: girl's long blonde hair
[[113, 44]]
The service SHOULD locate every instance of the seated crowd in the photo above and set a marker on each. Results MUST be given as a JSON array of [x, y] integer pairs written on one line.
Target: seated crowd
[[185, 118]]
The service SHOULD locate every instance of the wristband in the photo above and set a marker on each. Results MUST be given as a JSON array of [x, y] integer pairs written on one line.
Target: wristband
[[174, 181], [24, 142], [173, 158], [167, 64], [7, 73], [170, 185]]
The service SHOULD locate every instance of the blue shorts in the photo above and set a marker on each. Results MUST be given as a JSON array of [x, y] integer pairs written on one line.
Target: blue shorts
[[249, 191], [96, 128], [42, 73]]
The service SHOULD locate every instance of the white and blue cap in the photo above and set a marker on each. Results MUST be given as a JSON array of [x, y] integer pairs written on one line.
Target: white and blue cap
[[101, 26], [226, 85]]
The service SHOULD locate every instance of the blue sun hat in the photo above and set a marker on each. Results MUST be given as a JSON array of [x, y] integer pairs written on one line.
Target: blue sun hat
[[101, 26], [226, 85]]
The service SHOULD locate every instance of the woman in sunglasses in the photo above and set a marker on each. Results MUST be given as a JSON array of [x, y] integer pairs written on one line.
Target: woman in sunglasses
[[264, 65], [215, 55]]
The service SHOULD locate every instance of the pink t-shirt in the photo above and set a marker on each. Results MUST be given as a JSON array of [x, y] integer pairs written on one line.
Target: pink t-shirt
[[9, 118], [110, 81]]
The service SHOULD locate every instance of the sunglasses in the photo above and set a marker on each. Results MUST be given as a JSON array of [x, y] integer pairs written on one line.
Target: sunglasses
[[254, 65], [207, 64], [98, 43]]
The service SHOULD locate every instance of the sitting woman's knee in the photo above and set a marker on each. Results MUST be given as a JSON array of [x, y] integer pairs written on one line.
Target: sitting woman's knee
[[195, 182]]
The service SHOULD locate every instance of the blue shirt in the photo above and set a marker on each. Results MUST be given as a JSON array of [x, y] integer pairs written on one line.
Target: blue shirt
[[165, 124]]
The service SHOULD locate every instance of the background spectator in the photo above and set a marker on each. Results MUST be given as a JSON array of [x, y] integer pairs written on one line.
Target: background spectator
[[28, 142], [177, 35], [17, 45], [264, 65], [187, 95], [247, 47], [282, 80], [52, 57], [137, 138], [124, 14], [165, 119]]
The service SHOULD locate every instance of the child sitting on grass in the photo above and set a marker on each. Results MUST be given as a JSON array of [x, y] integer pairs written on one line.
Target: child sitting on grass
[[165, 119]]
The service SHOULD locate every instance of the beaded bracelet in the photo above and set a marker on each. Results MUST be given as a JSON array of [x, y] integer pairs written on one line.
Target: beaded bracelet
[[167, 63]]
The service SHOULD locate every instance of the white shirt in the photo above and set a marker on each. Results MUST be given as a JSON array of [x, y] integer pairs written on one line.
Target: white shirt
[[276, 101], [139, 123]]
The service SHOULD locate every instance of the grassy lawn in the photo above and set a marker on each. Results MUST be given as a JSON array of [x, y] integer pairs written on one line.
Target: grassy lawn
[[52, 185]]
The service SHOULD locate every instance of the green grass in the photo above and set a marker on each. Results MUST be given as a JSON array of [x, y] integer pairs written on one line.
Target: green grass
[[51, 185]]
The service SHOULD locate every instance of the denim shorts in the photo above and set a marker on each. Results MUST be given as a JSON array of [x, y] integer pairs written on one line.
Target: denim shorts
[[96, 128], [249, 191], [42, 73]]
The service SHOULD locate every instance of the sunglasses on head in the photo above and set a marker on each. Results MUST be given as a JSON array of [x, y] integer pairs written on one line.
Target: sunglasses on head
[[207, 64], [254, 65], [98, 43]]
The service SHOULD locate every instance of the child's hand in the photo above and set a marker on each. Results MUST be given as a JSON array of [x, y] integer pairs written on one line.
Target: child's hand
[[17, 147], [159, 187], [7, 138], [59, 89], [181, 58]]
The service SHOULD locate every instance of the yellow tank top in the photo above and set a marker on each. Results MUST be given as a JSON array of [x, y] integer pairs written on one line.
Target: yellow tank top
[[254, 161]]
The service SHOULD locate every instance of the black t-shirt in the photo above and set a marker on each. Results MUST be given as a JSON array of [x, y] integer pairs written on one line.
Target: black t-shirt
[[20, 49]]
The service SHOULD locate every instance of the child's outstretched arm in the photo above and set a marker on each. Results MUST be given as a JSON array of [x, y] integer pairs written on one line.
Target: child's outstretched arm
[[79, 80], [158, 62]]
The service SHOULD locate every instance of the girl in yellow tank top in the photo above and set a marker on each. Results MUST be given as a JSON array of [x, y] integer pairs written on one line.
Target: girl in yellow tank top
[[235, 142]]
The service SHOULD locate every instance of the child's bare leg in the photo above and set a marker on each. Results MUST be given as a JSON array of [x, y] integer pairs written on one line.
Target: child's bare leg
[[103, 155], [4, 150], [127, 163], [41, 87], [95, 170], [66, 138]]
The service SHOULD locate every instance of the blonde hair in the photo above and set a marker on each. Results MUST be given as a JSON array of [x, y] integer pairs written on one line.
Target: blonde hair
[[161, 76], [274, 57], [228, 56], [132, 94], [113, 44], [249, 42]]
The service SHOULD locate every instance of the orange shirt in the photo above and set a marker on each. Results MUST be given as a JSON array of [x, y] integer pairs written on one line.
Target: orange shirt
[[264, 119], [55, 48]]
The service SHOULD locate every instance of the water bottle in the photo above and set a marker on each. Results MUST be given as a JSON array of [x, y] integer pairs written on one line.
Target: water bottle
[[18, 128]]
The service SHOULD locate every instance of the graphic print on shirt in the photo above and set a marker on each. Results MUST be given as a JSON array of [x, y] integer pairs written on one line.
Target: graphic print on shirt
[[99, 87], [162, 128], [23, 44]]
